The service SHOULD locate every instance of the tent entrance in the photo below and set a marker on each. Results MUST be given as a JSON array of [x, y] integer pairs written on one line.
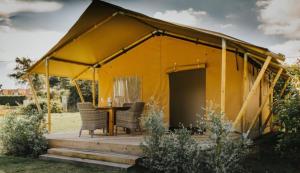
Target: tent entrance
[[187, 96]]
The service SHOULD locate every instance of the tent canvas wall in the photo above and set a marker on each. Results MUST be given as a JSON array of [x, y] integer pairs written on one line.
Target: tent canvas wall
[[113, 42], [152, 61]]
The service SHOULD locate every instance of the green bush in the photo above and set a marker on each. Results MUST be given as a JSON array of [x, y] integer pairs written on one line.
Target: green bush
[[23, 135], [179, 152], [227, 151], [12, 100], [56, 107], [288, 113], [172, 152]]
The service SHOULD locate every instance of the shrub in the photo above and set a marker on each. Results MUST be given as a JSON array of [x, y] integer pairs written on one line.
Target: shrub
[[178, 151], [173, 152], [288, 113], [169, 152], [56, 107], [23, 135], [227, 151], [12, 100]]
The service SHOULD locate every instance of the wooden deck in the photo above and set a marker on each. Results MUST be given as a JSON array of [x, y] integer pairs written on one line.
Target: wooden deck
[[98, 138], [114, 152], [117, 152]]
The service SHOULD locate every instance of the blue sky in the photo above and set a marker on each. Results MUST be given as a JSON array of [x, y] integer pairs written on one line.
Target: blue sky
[[31, 28]]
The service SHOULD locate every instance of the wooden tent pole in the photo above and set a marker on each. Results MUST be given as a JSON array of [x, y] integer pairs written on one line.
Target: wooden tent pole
[[284, 87], [252, 91], [99, 98], [94, 87], [78, 91], [48, 94], [223, 76], [245, 88], [265, 100], [34, 94]]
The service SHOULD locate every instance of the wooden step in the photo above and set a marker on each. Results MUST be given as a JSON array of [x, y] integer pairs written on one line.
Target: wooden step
[[98, 163], [94, 155], [116, 147]]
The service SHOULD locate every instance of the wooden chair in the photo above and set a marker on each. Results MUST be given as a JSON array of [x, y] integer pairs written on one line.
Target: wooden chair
[[129, 119], [91, 118]]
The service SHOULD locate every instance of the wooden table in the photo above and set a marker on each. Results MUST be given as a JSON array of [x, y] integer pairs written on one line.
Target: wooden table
[[111, 116]]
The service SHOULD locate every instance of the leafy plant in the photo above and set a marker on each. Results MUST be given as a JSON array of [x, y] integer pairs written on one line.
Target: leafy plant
[[178, 151], [227, 151], [288, 113], [56, 107], [23, 135], [169, 152]]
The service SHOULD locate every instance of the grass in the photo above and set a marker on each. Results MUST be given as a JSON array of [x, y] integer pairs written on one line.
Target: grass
[[61, 122], [10, 164], [65, 122]]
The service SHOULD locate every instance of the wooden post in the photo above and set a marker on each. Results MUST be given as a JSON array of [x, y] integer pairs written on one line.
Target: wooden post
[[99, 98], [223, 76], [94, 87], [284, 87], [34, 94], [245, 88], [252, 91], [265, 100], [78, 91], [48, 94]]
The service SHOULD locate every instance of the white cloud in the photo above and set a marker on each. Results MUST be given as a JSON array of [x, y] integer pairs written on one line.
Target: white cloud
[[279, 17], [291, 49], [8, 7], [187, 17]]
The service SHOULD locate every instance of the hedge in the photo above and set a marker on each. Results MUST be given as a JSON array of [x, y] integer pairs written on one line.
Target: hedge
[[12, 100]]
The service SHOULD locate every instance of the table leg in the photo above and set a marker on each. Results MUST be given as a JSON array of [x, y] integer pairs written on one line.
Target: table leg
[[111, 122]]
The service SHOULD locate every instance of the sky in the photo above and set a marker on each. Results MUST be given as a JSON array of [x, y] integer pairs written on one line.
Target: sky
[[29, 28]]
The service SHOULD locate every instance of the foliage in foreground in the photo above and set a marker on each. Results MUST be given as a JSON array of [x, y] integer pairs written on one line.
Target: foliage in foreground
[[229, 151], [288, 112], [178, 151], [23, 135]]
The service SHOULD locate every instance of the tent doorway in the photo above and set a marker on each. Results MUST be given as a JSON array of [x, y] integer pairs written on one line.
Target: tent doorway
[[187, 96]]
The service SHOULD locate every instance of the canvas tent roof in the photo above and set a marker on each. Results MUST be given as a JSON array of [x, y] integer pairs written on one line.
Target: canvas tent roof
[[105, 31]]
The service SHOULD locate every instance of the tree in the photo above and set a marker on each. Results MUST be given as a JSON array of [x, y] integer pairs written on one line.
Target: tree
[[22, 65], [86, 89]]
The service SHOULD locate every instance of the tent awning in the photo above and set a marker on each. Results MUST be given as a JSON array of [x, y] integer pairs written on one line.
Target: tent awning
[[105, 31]]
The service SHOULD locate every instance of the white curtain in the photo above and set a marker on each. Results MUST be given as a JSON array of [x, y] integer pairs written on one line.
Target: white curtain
[[126, 90]]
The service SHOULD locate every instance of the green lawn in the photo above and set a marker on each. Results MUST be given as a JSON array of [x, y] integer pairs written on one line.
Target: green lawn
[[26, 165], [66, 122], [63, 122]]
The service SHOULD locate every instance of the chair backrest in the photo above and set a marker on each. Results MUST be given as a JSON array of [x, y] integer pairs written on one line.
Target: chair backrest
[[85, 106], [137, 107], [127, 104]]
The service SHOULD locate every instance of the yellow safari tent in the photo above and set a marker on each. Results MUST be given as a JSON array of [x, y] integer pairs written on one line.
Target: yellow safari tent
[[183, 68]]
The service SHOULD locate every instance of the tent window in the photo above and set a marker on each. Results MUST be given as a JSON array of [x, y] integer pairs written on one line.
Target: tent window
[[126, 90]]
